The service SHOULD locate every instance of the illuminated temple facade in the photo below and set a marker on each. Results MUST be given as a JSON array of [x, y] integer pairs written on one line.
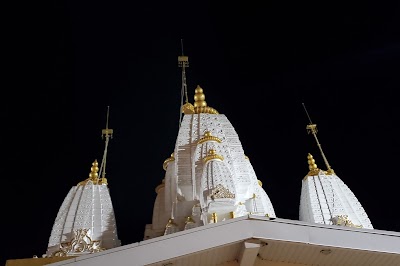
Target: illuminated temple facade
[[211, 209]]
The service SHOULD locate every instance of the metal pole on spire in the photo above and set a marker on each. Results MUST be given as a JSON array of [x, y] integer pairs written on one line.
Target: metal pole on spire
[[183, 62], [107, 133], [312, 128]]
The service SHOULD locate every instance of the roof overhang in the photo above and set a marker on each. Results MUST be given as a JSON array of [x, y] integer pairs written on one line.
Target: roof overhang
[[255, 240]]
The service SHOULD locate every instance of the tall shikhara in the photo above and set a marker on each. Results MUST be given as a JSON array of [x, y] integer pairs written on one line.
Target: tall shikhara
[[208, 176]]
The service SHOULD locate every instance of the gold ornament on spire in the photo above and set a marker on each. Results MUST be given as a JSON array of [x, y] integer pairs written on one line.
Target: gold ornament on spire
[[212, 155], [200, 105], [209, 137], [168, 160], [93, 175], [312, 166]]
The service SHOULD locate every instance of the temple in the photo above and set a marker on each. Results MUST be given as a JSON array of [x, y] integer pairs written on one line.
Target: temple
[[211, 209]]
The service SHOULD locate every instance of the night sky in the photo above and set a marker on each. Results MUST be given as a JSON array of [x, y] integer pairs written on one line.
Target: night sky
[[257, 63]]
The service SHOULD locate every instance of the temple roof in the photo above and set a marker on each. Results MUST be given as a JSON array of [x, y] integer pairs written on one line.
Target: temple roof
[[326, 199]]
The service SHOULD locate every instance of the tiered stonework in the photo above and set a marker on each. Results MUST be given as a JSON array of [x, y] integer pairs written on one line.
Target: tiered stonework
[[208, 176]]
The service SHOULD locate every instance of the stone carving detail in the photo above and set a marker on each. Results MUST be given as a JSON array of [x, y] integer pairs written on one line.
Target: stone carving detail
[[219, 192], [343, 220], [80, 243]]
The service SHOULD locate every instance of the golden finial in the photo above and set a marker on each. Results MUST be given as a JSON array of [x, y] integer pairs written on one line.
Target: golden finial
[[200, 105], [208, 137], [170, 159], [312, 166], [259, 182], [93, 175], [212, 154], [199, 97]]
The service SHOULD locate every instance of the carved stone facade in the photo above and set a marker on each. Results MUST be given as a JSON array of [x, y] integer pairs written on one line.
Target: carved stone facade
[[208, 176], [86, 208], [325, 198]]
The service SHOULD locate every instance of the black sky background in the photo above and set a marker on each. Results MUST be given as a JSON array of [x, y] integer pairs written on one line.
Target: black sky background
[[257, 63]]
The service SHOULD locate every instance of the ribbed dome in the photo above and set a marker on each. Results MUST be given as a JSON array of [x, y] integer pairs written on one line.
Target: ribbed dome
[[326, 199], [85, 222]]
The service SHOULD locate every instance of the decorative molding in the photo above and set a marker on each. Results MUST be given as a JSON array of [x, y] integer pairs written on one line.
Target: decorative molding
[[80, 243], [343, 220], [212, 155], [208, 137], [168, 160], [220, 192]]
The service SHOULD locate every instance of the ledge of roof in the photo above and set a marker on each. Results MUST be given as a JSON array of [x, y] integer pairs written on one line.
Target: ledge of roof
[[237, 230]]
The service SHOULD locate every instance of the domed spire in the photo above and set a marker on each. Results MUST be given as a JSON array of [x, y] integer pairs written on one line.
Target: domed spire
[[85, 222]]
